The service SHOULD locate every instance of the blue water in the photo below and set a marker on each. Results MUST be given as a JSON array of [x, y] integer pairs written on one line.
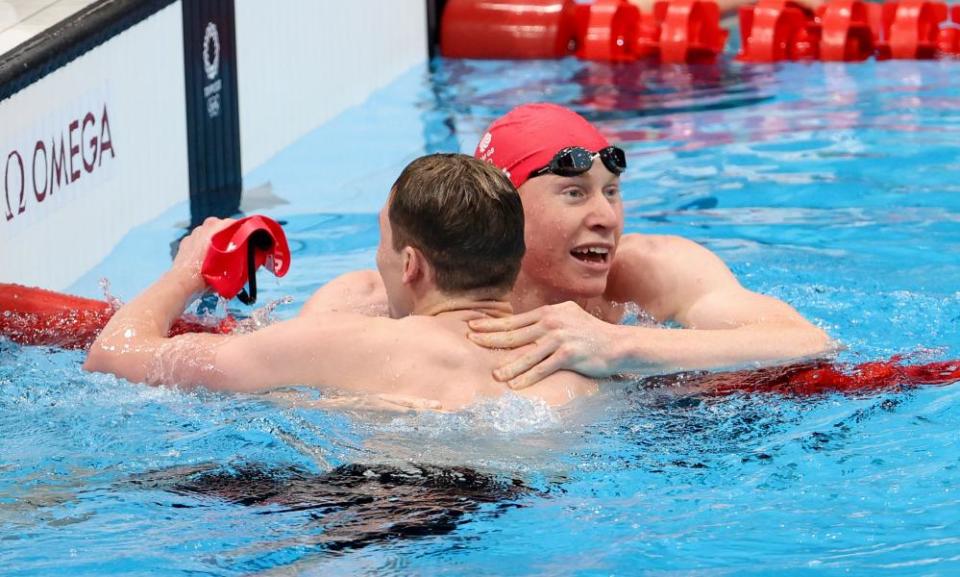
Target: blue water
[[834, 188]]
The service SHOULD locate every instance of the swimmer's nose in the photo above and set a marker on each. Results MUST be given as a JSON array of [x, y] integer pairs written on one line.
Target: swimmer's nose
[[603, 213]]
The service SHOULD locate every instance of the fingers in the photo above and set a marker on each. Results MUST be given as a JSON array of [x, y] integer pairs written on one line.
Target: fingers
[[505, 324], [509, 339], [213, 224], [213, 220], [541, 371], [524, 362]]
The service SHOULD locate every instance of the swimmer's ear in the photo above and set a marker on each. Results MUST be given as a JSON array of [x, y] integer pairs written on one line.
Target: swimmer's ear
[[413, 264]]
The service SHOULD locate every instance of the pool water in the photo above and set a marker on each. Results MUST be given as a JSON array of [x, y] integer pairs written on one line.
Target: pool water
[[833, 187]]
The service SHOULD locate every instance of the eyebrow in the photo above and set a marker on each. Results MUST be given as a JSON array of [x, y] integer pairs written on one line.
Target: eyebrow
[[581, 178]]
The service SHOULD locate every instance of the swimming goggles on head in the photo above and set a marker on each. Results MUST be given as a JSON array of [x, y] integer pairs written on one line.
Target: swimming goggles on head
[[574, 161]]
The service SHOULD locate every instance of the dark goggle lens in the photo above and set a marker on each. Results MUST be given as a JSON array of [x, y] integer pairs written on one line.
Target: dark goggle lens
[[575, 161], [614, 158], [571, 162]]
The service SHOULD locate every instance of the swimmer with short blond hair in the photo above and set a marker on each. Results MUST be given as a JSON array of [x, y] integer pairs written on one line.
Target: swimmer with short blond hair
[[581, 274]]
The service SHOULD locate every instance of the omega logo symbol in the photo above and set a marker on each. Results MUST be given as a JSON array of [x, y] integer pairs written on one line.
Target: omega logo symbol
[[211, 51], [211, 67]]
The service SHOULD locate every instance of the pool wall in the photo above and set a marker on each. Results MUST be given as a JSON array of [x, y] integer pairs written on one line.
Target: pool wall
[[301, 70], [97, 145]]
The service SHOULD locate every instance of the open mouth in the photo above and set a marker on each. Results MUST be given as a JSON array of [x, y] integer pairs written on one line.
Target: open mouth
[[591, 254]]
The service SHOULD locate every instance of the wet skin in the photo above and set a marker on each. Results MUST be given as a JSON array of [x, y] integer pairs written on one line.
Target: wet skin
[[577, 275]]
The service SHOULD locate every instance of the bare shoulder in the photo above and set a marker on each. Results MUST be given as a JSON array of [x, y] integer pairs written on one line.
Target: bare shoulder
[[442, 345], [360, 282], [681, 257], [359, 291], [658, 247], [427, 359], [661, 272]]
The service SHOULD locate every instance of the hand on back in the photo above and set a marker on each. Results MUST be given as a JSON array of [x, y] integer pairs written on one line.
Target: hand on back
[[556, 337]]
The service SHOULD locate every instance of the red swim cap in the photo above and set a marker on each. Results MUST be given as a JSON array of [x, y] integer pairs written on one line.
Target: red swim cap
[[527, 138], [237, 251]]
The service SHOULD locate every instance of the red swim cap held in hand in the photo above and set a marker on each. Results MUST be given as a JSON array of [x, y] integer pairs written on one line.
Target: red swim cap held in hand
[[527, 138], [236, 253]]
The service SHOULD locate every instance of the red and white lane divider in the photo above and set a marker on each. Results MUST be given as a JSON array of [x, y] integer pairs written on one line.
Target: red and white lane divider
[[689, 31]]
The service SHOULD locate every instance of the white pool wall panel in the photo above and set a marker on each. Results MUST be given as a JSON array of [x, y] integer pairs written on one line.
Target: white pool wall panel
[[303, 62], [138, 76], [300, 63]]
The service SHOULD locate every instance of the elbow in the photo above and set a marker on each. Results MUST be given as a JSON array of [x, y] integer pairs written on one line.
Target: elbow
[[812, 342], [796, 340], [105, 358], [98, 360], [821, 344]]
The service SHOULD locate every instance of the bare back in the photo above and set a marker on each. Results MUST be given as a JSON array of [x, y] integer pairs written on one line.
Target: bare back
[[417, 356], [447, 367]]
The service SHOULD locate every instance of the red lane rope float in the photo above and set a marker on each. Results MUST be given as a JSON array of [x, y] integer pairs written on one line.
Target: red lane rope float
[[38, 317], [507, 29], [775, 30], [608, 30], [911, 29], [33, 316], [948, 41], [845, 31], [689, 31], [604, 30], [823, 377]]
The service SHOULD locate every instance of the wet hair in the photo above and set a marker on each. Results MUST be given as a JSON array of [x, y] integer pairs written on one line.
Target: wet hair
[[465, 216]]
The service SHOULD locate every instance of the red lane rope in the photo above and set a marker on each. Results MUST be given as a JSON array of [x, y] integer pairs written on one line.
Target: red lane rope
[[690, 31], [33, 316], [824, 377]]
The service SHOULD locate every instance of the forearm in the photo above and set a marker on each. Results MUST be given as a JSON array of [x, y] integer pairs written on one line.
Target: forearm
[[154, 311], [130, 342], [656, 350]]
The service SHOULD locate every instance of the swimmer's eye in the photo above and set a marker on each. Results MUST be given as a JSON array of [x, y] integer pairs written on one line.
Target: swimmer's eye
[[573, 193], [612, 192]]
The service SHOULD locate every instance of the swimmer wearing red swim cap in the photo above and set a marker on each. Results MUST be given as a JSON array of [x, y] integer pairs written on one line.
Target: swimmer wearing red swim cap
[[579, 270]]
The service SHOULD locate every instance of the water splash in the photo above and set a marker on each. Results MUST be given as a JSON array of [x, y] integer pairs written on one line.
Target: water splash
[[262, 317], [509, 414], [114, 301], [635, 315]]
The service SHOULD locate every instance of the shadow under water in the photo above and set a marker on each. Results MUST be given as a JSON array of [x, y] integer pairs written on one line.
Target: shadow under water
[[351, 506]]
